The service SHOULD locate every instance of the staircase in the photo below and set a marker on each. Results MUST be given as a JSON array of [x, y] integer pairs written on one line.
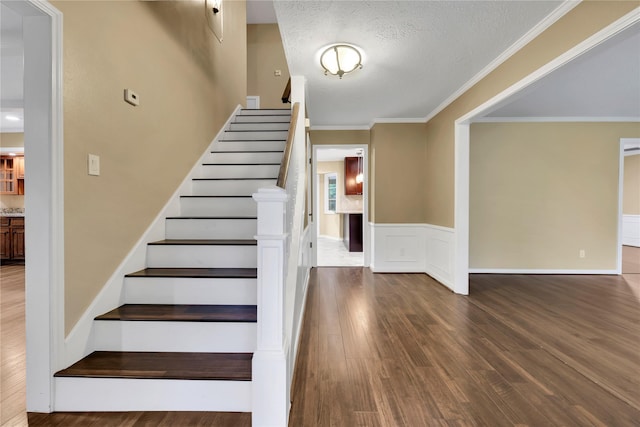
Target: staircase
[[183, 340]]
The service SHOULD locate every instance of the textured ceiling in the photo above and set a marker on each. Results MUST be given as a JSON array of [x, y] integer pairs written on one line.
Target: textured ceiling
[[11, 59], [417, 53], [602, 84]]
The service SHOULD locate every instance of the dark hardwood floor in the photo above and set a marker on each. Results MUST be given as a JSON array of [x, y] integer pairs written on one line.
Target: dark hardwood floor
[[402, 350]]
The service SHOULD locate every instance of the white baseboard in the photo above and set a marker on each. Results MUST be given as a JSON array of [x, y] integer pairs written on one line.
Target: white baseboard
[[80, 341], [538, 271], [631, 230]]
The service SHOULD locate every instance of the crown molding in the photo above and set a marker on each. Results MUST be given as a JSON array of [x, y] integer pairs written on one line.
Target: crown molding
[[338, 127], [556, 119], [534, 32]]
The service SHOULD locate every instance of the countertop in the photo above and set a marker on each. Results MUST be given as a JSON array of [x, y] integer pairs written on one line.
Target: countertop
[[13, 212]]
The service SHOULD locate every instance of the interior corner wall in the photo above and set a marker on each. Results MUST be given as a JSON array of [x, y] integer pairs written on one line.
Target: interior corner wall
[[581, 22], [398, 173], [188, 84], [265, 55], [542, 192], [631, 190]]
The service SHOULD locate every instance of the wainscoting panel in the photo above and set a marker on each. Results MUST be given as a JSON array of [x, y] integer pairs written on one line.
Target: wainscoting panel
[[440, 254], [398, 248], [631, 230], [413, 248]]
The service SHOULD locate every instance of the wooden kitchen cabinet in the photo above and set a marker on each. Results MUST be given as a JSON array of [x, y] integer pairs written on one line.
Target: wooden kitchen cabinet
[[12, 175], [8, 181], [19, 166], [352, 167], [5, 238], [12, 238], [352, 232]]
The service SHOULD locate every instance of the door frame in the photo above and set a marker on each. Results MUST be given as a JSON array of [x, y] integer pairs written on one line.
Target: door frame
[[366, 229], [44, 199], [462, 141]]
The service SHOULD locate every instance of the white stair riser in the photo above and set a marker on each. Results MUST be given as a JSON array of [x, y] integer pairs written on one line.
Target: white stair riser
[[244, 157], [199, 337], [255, 135], [239, 171], [116, 394], [262, 118], [249, 146], [187, 290], [202, 256], [218, 206], [230, 187], [210, 228], [283, 125], [265, 111]]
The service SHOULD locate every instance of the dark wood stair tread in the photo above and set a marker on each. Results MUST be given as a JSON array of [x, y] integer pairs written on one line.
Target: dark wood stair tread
[[252, 151], [212, 217], [205, 273], [251, 140], [231, 179], [207, 242], [240, 164], [182, 313], [213, 197], [162, 365]]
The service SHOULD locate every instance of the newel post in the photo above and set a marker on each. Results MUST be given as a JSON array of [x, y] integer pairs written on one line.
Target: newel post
[[269, 391]]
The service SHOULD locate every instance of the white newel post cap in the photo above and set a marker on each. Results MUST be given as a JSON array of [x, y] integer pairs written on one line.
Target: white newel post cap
[[271, 209]]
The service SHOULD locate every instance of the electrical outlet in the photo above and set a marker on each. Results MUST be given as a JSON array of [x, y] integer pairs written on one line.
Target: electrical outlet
[[93, 164], [583, 254]]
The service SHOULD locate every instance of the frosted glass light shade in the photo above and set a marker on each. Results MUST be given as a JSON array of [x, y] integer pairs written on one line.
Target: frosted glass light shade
[[340, 59]]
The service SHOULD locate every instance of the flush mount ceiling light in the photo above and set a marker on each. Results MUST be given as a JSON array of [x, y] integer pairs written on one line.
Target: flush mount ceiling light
[[340, 59]]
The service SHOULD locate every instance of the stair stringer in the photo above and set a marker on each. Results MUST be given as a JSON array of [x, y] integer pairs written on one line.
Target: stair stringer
[[80, 341]]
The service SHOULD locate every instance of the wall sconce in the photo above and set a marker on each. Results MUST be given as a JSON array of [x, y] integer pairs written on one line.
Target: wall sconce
[[213, 13], [340, 59], [216, 5]]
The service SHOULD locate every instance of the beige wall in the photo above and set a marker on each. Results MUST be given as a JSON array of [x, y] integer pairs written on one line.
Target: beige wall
[[541, 192], [265, 54], [330, 224], [398, 173], [583, 21], [11, 139], [188, 85], [631, 190]]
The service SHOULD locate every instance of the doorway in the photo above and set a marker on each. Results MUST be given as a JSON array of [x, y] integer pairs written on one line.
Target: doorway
[[340, 205], [43, 201]]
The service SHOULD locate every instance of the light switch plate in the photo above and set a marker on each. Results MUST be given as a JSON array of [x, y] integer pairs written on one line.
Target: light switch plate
[[93, 163]]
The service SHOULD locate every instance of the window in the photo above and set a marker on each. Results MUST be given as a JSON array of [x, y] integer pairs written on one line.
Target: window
[[330, 192]]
